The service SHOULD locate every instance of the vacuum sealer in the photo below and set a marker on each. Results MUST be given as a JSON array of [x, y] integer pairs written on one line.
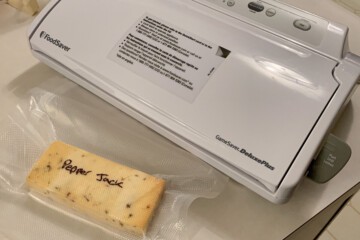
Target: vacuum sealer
[[250, 87]]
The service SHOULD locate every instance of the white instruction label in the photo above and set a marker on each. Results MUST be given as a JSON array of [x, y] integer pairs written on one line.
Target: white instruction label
[[170, 57]]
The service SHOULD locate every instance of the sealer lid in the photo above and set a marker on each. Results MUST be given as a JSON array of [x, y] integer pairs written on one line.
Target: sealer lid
[[245, 95]]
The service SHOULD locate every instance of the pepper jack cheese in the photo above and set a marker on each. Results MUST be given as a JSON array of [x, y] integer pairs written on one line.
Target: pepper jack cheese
[[101, 189]]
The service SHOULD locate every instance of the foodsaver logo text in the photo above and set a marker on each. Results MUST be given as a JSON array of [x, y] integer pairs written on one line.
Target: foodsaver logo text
[[245, 152], [56, 42]]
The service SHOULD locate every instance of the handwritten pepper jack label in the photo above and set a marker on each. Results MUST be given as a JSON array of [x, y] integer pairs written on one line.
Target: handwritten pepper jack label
[[100, 177]]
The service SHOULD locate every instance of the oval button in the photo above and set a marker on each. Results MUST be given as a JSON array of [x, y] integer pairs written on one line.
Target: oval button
[[302, 24], [257, 7], [270, 12], [231, 3]]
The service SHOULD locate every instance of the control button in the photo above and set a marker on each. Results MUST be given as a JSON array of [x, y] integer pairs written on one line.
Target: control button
[[270, 12], [302, 24], [257, 7], [231, 3]]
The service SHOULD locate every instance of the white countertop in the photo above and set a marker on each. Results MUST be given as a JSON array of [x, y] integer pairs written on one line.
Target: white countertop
[[237, 213]]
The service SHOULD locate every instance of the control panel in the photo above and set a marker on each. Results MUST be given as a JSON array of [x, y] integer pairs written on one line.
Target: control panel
[[274, 17]]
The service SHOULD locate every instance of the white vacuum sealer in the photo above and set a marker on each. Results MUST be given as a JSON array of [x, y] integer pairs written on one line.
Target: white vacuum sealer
[[251, 87]]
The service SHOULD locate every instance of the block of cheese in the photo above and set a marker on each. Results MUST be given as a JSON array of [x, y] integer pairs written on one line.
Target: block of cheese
[[103, 190]]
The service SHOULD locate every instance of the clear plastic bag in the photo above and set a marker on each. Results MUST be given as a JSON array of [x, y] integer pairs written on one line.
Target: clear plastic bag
[[77, 117]]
